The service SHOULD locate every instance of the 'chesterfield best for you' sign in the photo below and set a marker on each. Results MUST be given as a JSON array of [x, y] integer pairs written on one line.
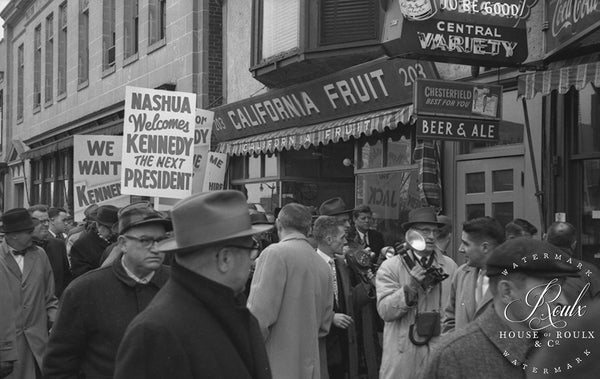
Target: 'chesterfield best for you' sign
[[473, 32]]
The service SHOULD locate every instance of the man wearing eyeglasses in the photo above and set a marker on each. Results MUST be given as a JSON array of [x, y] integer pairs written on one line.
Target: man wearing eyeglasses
[[55, 248], [198, 325], [98, 306], [411, 303]]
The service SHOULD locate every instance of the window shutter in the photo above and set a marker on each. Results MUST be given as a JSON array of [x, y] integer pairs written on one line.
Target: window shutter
[[344, 21]]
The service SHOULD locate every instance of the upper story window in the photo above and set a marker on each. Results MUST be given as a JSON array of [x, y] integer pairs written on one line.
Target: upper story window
[[312, 38], [37, 67], [62, 49], [131, 20], [49, 65], [84, 42], [280, 27], [108, 34], [157, 17], [20, 83]]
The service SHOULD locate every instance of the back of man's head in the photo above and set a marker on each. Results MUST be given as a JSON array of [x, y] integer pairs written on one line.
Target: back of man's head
[[295, 217], [485, 228], [561, 234]]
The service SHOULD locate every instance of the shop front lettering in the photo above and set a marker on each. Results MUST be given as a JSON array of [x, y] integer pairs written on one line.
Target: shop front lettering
[[386, 198], [471, 39], [568, 12], [281, 108], [363, 87], [486, 8], [446, 128]]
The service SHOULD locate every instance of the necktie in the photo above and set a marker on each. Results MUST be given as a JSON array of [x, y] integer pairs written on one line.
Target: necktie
[[335, 286], [482, 285]]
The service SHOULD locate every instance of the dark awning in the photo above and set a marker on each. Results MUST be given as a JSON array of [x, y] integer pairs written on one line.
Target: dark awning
[[322, 133]]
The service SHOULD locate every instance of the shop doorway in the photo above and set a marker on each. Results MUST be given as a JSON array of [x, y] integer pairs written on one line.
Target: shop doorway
[[490, 187]]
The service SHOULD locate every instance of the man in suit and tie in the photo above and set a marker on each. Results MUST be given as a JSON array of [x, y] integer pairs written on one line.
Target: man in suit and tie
[[58, 227], [469, 294], [31, 290], [341, 354], [371, 238]]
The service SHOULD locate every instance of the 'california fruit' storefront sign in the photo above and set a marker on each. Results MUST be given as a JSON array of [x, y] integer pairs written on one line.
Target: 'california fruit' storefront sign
[[472, 32]]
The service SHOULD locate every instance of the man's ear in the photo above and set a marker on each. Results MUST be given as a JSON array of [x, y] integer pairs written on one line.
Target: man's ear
[[122, 245], [224, 259], [506, 291]]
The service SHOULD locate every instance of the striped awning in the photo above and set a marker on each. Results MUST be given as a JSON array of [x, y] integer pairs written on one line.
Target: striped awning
[[560, 79], [322, 133]]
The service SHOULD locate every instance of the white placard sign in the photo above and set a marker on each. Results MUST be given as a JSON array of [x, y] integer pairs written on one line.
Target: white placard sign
[[97, 172], [158, 143]]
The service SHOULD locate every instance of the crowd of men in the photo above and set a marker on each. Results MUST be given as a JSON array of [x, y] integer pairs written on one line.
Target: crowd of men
[[215, 290]]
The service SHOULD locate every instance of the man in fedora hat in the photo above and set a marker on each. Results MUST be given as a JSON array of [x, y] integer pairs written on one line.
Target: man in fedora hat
[[31, 290], [87, 250], [336, 207], [198, 325], [55, 248], [525, 279], [98, 307], [403, 294], [292, 297]]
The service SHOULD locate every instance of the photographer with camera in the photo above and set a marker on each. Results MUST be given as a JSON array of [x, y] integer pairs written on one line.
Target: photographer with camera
[[412, 288]]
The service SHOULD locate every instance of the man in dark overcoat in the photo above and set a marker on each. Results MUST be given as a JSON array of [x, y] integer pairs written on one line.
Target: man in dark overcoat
[[31, 291], [97, 308], [55, 248], [87, 250], [198, 325]]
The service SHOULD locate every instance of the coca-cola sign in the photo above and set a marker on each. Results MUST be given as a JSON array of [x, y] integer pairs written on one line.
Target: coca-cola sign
[[568, 20]]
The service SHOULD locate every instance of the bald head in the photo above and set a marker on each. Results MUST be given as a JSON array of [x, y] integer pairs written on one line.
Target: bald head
[[561, 234]]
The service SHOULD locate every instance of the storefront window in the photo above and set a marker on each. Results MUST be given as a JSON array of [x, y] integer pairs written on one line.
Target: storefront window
[[590, 233], [371, 154], [390, 195], [254, 165], [588, 120], [263, 196]]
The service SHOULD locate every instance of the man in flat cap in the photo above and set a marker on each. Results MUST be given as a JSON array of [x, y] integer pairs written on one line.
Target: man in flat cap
[[292, 298], [525, 281], [198, 325], [410, 302], [97, 308], [30, 289], [87, 250]]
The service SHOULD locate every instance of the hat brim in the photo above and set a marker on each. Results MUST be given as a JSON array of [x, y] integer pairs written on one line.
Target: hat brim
[[347, 211], [3, 230], [166, 223], [170, 245], [407, 225]]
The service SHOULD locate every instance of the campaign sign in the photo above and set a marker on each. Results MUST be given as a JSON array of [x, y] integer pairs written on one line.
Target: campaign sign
[[216, 165], [158, 143], [457, 129], [204, 122], [458, 99], [97, 172]]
